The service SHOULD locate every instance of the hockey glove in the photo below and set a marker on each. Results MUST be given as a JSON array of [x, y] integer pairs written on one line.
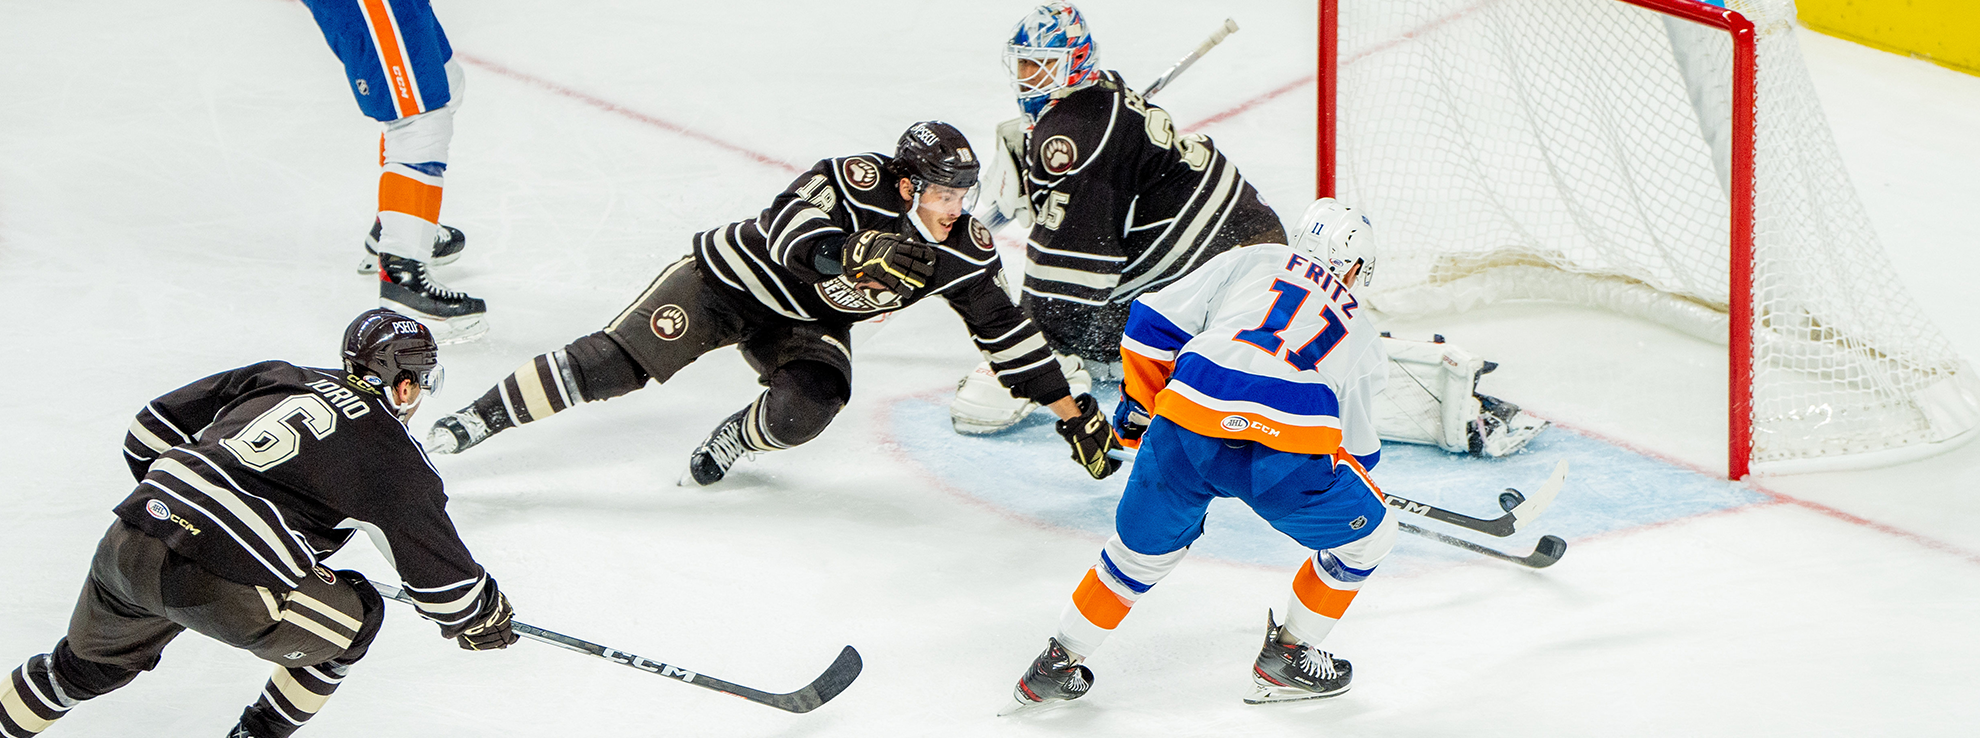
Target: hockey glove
[[1091, 438], [899, 264], [492, 630], [1130, 421]]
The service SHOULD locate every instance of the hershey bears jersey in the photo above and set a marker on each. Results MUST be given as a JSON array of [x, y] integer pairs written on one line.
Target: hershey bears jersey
[[260, 472], [1123, 204], [1260, 344], [769, 260]]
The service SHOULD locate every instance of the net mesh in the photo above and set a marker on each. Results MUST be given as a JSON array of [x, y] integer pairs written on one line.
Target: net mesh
[[1579, 150]]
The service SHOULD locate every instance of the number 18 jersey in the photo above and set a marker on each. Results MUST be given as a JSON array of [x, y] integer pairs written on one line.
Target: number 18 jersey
[[1260, 344]]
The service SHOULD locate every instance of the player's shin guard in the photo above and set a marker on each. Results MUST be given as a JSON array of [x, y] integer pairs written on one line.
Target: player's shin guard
[[1329, 580], [291, 697], [44, 689], [1110, 589], [412, 155]]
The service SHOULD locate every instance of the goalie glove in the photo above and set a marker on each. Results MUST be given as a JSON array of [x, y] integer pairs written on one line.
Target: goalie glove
[[1130, 421], [1091, 438], [493, 629], [899, 264]]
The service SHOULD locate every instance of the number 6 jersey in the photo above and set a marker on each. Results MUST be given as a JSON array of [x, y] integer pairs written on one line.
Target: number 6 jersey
[[259, 472], [1260, 344]]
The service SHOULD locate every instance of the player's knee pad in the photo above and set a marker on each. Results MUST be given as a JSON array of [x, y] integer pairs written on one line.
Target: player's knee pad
[[421, 141], [373, 619], [82, 679], [1135, 570], [803, 398], [1365, 552], [601, 368]]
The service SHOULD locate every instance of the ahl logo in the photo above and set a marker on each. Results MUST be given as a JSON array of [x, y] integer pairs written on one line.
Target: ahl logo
[[326, 575], [861, 174], [670, 322], [1059, 154], [158, 509], [1235, 423]]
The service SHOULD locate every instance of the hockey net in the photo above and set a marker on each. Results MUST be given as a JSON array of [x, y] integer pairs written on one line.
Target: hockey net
[[1597, 151]]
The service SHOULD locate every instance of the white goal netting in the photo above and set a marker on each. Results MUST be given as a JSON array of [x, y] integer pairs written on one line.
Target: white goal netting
[[1579, 150]]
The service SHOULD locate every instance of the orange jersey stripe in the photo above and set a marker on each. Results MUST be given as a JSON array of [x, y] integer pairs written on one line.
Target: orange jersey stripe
[[1341, 456], [1246, 426], [1317, 596], [398, 193], [385, 36], [1142, 378], [1098, 603]]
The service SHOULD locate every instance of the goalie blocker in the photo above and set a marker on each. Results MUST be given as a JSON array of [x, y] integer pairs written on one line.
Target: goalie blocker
[[1431, 399]]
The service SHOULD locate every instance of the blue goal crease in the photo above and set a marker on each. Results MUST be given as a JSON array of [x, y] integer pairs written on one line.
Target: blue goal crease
[[1610, 489]]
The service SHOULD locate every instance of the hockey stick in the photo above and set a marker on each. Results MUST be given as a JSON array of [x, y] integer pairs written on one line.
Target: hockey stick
[[836, 678], [1549, 550], [1229, 27], [1519, 512]]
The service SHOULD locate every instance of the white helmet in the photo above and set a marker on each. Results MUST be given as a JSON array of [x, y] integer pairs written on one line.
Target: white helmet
[[1337, 236]]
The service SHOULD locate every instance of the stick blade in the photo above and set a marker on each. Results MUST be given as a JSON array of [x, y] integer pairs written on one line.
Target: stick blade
[[1550, 550], [1526, 511], [836, 678]]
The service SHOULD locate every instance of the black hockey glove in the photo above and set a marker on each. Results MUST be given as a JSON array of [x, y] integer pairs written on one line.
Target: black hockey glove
[[900, 264], [492, 630], [1130, 419], [1091, 438]]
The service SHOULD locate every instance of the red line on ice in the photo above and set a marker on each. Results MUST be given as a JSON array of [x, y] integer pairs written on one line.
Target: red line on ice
[[625, 112]]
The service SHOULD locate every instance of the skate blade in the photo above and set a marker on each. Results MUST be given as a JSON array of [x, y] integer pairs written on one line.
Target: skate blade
[[458, 330], [368, 265], [1027, 707], [1262, 694]]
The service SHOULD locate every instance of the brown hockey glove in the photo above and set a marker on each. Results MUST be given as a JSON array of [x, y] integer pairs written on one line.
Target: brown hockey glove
[[899, 264], [1091, 438], [492, 630]]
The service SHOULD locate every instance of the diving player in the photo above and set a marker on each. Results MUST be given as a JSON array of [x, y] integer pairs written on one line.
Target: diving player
[[1118, 202], [246, 481], [403, 72], [853, 238], [1253, 377]]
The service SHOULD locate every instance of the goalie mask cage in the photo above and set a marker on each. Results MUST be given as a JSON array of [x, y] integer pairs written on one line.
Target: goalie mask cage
[[1665, 159]]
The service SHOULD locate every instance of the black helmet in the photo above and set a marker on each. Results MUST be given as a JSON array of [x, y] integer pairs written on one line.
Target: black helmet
[[383, 348], [933, 152]]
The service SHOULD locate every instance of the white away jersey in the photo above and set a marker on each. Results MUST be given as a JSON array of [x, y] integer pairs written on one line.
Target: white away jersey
[[1260, 344]]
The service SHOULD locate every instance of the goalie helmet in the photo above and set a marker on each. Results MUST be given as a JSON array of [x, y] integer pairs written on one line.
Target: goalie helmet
[[383, 348], [1337, 236], [933, 152], [1053, 36]]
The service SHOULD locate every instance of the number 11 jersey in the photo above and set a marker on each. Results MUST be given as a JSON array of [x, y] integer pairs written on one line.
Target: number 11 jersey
[[1260, 344]]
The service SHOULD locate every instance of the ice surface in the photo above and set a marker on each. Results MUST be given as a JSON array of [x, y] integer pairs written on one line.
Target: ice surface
[[184, 187]]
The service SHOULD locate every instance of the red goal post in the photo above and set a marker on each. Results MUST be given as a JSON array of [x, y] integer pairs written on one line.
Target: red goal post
[[1908, 392]]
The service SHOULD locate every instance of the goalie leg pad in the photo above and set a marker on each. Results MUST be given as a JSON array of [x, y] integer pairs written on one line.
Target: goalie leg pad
[[983, 405], [1432, 399]]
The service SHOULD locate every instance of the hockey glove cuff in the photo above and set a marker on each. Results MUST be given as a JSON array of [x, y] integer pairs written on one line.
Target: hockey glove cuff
[[899, 264], [1130, 421], [1091, 438], [492, 630]]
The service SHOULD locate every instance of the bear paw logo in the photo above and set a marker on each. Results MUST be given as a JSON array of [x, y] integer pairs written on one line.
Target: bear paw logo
[[1059, 154], [861, 174], [670, 322]]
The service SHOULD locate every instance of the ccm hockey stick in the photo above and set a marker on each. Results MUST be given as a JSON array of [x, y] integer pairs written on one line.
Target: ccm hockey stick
[[1549, 550], [1229, 27], [836, 678], [1519, 508]]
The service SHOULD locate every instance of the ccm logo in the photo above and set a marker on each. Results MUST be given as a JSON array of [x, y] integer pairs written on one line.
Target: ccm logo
[[643, 663]]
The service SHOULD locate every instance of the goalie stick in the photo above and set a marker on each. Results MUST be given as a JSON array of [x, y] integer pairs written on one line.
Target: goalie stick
[[1229, 27], [834, 680]]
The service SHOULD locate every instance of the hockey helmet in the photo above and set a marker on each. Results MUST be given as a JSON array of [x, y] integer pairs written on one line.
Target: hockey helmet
[[1337, 236], [933, 152], [383, 348], [1054, 37]]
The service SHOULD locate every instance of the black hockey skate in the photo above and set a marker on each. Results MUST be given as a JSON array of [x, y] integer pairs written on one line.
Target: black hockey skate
[[456, 432], [447, 247], [406, 287], [1295, 671], [711, 460], [1053, 677]]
